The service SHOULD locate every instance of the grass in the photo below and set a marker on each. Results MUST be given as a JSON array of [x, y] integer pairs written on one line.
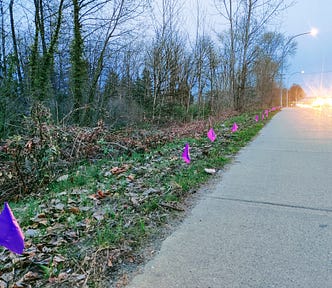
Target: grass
[[131, 209]]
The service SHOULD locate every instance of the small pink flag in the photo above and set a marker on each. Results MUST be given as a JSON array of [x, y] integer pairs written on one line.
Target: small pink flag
[[256, 118], [267, 113], [235, 127], [186, 154], [211, 135], [11, 235]]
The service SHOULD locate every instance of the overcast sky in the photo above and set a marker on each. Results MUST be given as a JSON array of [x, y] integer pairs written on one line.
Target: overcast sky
[[313, 55]]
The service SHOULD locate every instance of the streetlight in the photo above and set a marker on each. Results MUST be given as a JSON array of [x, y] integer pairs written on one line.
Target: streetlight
[[313, 32]]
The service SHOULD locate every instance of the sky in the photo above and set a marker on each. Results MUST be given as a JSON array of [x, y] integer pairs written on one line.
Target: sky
[[314, 54], [311, 66]]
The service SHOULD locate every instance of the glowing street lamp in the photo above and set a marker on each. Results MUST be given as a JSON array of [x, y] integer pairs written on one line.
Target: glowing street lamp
[[313, 32]]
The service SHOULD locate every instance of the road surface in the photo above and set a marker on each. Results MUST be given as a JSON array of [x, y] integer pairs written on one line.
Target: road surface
[[267, 222]]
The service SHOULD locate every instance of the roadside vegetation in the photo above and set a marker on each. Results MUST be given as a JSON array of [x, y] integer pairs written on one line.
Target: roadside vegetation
[[92, 220]]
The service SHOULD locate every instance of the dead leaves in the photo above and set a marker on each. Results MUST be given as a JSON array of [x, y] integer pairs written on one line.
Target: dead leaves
[[118, 170], [99, 195]]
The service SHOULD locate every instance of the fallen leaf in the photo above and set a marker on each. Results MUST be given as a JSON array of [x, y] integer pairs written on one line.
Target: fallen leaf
[[118, 170], [131, 260], [101, 194], [123, 281], [58, 259], [114, 255], [98, 215], [28, 145], [131, 177], [30, 276], [19, 284], [40, 219], [74, 210], [62, 276], [41, 215], [134, 201]]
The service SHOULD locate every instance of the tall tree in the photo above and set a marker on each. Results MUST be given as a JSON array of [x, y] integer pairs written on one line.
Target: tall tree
[[266, 67], [78, 63], [295, 93], [42, 60], [247, 22]]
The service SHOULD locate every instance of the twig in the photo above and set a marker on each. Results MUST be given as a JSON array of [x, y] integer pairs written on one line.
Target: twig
[[62, 121], [121, 146], [165, 205], [74, 144]]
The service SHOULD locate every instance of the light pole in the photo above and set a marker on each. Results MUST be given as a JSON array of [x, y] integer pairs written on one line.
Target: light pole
[[313, 32]]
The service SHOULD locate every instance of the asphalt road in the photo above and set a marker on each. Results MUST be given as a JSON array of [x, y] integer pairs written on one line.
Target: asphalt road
[[266, 222]]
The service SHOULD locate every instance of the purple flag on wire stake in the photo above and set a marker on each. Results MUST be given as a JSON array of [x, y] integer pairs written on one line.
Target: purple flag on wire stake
[[235, 127], [256, 118], [211, 135], [266, 113], [11, 235], [262, 116], [186, 154]]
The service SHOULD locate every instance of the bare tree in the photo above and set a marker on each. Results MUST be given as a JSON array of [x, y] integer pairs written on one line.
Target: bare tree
[[266, 68], [167, 60], [247, 22], [103, 23]]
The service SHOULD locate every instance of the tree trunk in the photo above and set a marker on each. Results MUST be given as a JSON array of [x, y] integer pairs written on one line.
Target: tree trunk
[[3, 64], [15, 47], [78, 69]]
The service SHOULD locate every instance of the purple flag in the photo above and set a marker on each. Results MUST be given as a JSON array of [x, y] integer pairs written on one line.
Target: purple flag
[[262, 116], [256, 118], [211, 135], [267, 113], [234, 128], [185, 154], [11, 235]]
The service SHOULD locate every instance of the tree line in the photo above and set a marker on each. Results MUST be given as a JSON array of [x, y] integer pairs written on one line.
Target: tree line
[[131, 61]]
